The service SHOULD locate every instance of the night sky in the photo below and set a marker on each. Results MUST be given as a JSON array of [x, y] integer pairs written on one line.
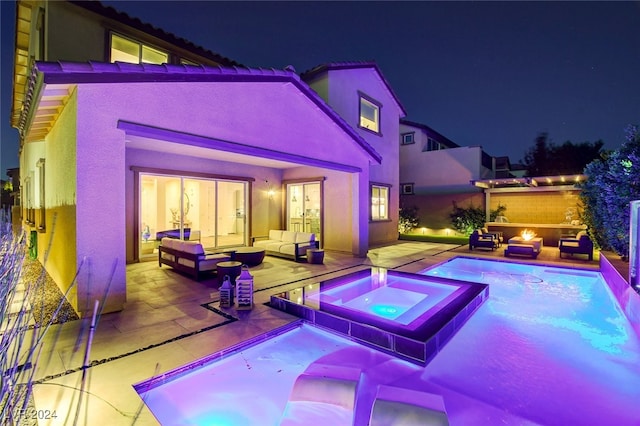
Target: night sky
[[493, 74]]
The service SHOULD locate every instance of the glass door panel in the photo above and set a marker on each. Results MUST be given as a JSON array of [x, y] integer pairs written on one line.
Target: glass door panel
[[160, 210], [312, 208], [208, 210], [231, 216], [304, 207]]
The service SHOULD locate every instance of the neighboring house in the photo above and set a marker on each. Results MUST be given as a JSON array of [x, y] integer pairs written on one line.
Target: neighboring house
[[109, 150], [360, 94], [436, 172]]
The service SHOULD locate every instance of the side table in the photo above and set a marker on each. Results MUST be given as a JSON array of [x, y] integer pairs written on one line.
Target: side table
[[231, 268]]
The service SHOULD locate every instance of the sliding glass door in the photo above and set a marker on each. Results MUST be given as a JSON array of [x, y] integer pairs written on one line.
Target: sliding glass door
[[212, 211], [304, 207]]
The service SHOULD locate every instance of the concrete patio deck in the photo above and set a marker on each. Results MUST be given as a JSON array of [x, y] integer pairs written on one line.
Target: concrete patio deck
[[171, 320]]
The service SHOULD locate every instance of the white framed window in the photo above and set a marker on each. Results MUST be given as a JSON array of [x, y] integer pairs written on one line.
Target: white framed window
[[127, 50], [379, 202], [407, 188], [407, 138], [369, 114]]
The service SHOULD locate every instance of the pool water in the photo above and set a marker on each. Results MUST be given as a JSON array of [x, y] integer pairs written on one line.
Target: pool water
[[410, 316], [550, 346], [402, 299]]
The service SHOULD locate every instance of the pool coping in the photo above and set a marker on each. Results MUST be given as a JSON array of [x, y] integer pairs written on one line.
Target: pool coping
[[418, 346]]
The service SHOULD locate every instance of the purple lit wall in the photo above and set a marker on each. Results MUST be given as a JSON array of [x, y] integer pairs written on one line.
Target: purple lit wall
[[340, 88], [276, 119]]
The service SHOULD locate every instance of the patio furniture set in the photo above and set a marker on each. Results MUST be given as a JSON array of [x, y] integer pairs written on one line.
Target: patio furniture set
[[189, 257], [531, 247]]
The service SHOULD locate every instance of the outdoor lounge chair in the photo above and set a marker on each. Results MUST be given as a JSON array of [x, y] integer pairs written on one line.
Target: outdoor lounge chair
[[479, 239], [497, 235], [581, 244]]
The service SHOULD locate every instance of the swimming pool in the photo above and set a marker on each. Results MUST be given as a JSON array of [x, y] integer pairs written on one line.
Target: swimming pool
[[411, 316], [550, 346]]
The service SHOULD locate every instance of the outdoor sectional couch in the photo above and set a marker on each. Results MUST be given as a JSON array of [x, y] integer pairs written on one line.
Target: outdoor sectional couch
[[188, 257], [289, 244]]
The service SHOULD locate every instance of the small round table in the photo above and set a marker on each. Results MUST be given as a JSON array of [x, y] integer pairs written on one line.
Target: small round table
[[231, 268], [315, 256], [250, 256]]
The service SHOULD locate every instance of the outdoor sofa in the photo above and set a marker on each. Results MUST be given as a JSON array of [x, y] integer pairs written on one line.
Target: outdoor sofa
[[188, 257], [288, 244]]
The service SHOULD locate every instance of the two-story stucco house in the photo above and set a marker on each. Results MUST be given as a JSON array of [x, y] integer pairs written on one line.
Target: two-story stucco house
[[179, 137], [436, 172]]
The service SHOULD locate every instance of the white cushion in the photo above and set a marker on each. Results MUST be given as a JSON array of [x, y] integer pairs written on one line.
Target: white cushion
[[264, 243], [168, 256], [275, 234], [168, 242], [211, 261], [289, 236], [192, 247], [304, 237], [187, 262], [274, 246], [580, 234], [287, 249]]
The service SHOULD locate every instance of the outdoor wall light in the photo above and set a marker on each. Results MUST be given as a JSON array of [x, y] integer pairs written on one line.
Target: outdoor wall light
[[270, 191], [424, 230]]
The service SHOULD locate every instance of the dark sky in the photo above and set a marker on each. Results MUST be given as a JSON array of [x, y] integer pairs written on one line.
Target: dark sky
[[493, 74]]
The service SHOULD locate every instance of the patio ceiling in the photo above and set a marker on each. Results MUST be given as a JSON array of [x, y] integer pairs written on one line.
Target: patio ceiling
[[532, 182], [159, 145]]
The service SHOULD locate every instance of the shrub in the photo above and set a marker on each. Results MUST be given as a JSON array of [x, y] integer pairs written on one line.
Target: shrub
[[408, 219], [613, 182], [466, 220]]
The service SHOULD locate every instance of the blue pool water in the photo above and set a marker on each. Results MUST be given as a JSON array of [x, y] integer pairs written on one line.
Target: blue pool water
[[549, 346]]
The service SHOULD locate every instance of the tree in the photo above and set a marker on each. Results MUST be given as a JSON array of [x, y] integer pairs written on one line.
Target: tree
[[547, 159], [613, 182]]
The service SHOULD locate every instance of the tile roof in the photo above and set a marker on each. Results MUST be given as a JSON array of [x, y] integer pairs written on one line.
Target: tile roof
[[121, 72], [123, 18], [334, 66]]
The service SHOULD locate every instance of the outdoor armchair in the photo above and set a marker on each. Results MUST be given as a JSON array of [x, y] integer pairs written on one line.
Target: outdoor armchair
[[581, 244], [480, 239]]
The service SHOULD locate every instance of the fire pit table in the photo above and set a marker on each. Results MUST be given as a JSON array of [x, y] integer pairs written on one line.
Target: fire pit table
[[522, 247]]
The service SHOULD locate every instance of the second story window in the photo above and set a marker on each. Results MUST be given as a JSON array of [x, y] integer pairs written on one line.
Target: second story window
[[407, 138], [432, 145], [369, 114], [127, 50]]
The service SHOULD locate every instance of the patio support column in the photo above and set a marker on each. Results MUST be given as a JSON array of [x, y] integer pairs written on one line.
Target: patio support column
[[360, 241], [100, 210], [487, 206]]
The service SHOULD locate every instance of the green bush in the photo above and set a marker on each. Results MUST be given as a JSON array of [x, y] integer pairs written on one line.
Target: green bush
[[466, 220], [613, 182], [408, 219]]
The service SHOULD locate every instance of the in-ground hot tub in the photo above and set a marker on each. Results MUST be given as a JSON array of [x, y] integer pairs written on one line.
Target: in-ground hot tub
[[408, 315]]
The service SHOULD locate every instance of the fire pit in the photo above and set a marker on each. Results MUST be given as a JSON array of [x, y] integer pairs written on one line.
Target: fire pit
[[527, 244]]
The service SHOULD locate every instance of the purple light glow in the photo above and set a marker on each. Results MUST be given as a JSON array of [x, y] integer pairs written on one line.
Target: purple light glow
[[401, 299], [549, 347]]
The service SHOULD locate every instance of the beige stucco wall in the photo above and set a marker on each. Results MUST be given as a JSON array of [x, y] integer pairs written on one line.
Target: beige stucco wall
[[56, 243], [537, 206], [61, 185], [65, 24]]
